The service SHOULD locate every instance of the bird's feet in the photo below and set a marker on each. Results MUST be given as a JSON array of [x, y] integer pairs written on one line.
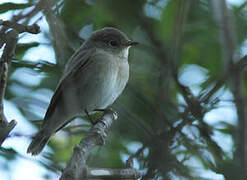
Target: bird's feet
[[90, 117], [100, 110]]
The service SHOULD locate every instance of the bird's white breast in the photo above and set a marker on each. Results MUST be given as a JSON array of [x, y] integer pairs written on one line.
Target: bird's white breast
[[118, 78], [125, 52]]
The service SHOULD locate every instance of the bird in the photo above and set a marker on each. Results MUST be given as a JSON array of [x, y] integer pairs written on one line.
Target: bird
[[93, 78]]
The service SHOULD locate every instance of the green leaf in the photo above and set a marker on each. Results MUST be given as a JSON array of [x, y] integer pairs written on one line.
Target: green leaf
[[13, 6], [225, 128], [22, 48], [38, 66], [8, 153], [80, 11], [168, 20]]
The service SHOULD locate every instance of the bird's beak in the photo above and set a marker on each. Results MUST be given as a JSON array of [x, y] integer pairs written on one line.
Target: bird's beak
[[132, 43]]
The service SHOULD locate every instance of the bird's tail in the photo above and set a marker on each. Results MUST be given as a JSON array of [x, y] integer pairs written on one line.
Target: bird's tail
[[38, 143]]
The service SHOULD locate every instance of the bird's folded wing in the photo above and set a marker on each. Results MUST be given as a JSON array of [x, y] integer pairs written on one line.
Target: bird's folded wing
[[79, 61], [81, 55]]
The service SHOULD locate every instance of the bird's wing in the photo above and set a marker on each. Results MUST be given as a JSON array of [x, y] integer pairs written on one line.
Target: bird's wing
[[79, 55], [79, 61]]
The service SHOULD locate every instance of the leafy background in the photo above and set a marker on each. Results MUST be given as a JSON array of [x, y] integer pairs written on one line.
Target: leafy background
[[181, 110]]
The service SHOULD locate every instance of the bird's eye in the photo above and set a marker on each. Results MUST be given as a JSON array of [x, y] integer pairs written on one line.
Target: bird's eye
[[113, 43]]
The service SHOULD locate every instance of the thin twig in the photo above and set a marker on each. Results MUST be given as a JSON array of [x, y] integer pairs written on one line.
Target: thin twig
[[20, 28], [3, 83], [129, 162], [103, 173]]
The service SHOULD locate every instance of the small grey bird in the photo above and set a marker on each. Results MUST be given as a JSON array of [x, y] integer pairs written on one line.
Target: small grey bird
[[94, 77]]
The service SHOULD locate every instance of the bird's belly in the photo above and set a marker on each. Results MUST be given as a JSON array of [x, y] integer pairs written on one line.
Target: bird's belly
[[103, 89], [110, 91]]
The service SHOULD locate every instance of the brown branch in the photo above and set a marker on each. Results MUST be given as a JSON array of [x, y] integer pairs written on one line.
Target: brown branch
[[33, 29], [227, 39], [11, 41], [60, 40], [125, 173], [10, 38], [77, 167], [3, 83], [226, 31], [21, 16], [129, 162]]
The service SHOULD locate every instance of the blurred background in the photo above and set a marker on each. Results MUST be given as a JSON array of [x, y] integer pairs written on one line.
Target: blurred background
[[183, 113]]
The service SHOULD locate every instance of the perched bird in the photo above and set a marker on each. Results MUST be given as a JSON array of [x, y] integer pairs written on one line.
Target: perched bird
[[94, 77]]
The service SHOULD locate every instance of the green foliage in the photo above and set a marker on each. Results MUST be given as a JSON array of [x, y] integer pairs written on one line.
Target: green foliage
[[22, 48], [8, 153]]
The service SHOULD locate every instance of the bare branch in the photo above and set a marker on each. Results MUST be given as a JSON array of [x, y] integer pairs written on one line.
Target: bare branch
[[226, 31], [125, 173], [227, 39], [11, 41], [129, 162], [77, 168], [60, 41], [10, 38], [33, 29], [3, 83]]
